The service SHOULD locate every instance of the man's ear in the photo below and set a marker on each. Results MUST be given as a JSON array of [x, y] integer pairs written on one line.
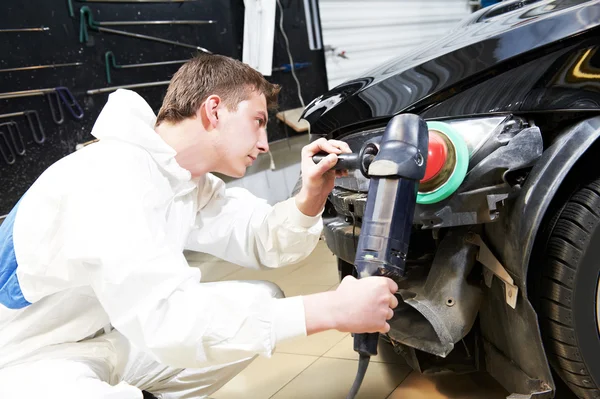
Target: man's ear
[[210, 108]]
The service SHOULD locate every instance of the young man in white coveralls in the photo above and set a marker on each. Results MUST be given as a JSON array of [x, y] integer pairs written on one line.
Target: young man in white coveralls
[[96, 297]]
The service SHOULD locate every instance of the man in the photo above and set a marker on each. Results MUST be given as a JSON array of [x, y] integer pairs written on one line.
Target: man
[[96, 297]]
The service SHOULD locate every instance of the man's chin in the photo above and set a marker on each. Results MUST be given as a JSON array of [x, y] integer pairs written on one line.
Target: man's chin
[[236, 174]]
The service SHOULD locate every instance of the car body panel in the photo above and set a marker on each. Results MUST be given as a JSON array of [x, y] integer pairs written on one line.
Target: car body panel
[[532, 36], [513, 239]]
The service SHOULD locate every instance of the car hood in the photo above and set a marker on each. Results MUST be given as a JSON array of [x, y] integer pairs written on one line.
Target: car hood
[[483, 45]]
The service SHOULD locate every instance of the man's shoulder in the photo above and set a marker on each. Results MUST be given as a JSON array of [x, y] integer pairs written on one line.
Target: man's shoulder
[[115, 156], [101, 164]]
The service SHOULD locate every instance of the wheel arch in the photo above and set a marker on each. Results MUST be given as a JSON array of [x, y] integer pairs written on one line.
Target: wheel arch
[[515, 239], [564, 163]]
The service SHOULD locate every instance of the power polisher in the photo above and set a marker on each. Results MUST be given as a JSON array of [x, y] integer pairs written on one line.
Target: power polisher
[[395, 167]]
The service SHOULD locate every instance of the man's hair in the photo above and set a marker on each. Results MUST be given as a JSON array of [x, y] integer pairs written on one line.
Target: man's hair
[[206, 75]]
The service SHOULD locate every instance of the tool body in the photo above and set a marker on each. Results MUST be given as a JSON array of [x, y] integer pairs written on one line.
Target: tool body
[[395, 169]]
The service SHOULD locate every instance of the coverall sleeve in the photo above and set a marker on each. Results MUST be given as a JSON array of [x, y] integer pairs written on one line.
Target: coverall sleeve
[[118, 239], [234, 225]]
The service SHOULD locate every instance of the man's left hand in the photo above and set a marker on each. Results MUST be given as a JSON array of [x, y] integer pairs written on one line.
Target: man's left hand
[[318, 179]]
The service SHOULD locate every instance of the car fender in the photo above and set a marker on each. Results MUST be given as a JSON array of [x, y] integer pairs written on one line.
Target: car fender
[[515, 354]]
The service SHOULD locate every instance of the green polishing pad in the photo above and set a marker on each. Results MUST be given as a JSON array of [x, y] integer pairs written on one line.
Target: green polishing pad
[[460, 169]]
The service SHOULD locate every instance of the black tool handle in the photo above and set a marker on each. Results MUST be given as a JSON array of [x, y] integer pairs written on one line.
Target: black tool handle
[[366, 343], [345, 161]]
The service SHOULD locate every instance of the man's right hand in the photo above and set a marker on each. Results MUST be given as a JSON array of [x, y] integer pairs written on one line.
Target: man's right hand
[[357, 306]]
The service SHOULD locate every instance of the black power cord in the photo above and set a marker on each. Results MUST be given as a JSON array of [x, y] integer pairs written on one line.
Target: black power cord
[[363, 363]]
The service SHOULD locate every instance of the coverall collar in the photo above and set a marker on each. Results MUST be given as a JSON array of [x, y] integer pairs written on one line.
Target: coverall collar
[[127, 117]]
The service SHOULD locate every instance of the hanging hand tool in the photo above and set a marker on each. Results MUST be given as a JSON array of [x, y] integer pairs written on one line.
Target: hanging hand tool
[[31, 68], [166, 22], [109, 60], [288, 67], [32, 118], [395, 169], [131, 86], [51, 96], [69, 100], [40, 29], [61, 93], [6, 150], [60, 118], [15, 135], [87, 21], [72, 14]]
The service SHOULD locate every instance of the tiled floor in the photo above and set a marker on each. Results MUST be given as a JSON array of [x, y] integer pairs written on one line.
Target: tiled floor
[[324, 365]]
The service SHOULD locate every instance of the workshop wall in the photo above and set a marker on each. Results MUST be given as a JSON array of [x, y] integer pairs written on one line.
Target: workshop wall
[[60, 43]]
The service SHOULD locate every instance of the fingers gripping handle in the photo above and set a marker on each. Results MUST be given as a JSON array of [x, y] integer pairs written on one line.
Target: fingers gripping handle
[[353, 161], [344, 161]]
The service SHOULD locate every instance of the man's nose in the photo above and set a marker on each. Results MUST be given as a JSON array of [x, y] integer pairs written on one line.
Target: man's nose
[[263, 141]]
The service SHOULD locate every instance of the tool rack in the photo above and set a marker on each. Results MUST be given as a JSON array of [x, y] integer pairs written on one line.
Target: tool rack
[[45, 34]]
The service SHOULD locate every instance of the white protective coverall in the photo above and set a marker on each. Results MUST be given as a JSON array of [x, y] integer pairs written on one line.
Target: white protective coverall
[[96, 297]]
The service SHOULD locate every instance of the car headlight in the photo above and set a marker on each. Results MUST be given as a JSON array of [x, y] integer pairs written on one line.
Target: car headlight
[[453, 146]]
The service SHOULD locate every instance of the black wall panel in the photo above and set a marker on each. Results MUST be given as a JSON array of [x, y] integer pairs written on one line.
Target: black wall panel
[[61, 44]]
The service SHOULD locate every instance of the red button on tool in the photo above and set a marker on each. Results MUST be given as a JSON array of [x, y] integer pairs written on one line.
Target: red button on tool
[[436, 156]]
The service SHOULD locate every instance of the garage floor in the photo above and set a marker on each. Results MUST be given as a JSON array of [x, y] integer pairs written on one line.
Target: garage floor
[[324, 365]]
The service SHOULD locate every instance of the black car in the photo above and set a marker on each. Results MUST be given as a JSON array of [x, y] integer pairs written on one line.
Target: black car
[[504, 260]]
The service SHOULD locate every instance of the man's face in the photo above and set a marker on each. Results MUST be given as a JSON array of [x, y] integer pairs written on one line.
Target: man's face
[[242, 135]]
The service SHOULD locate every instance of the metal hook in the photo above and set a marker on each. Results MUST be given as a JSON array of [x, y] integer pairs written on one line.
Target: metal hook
[[17, 132], [34, 67], [13, 130], [70, 5], [87, 20], [12, 30], [95, 24], [109, 60], [60, 93], [61, 115], [30, 116], [72, 105], [25, 93], [8, 154], [131, 86]]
